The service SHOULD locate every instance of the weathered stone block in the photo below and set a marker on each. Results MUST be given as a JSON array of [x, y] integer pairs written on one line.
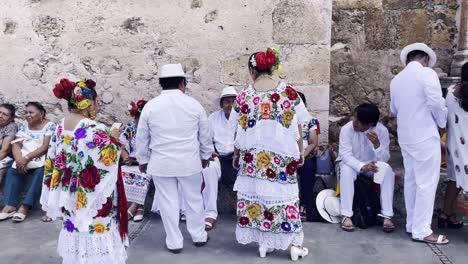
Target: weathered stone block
[[317, 96], [48, 26], [307, 64], [235, 71], [348, 25], [444, 28], [381, 30], [404, 4], [356, 4], [414, 27], [302, 22]]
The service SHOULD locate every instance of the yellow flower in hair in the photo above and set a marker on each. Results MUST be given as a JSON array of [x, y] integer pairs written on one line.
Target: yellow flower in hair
[[81, 84], [85, 103]]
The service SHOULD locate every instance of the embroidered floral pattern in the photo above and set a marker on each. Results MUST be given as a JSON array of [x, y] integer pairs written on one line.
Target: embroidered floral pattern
[[275, 219], [277, 104], [268, 165]]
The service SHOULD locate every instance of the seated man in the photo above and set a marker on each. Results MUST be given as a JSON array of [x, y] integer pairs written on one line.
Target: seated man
[[363, 142]]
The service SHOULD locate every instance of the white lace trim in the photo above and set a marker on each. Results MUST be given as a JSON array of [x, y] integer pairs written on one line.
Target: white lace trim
[[271, 240], [84, 248], [265, 188]]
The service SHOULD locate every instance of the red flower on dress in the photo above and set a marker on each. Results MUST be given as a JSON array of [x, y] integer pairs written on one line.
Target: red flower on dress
[[60, 161], [248, 157], [256, 100], [243, 220], [286, 104], [245, 109], [90, 177], [292, 167], [101, 139], [291, 212], [66, 177], [47, 182], [291, 93], [267, 225], [275, 97], [105, 209], [270, 173], [268, 215], [241, 205], [250, 169], [277, 160]]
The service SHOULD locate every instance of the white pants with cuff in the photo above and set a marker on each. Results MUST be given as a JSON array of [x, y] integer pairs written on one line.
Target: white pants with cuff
[[167, 197], [347, 177], [422, 172]]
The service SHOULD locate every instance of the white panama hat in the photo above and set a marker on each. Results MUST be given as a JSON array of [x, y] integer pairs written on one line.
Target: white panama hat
[[418, 46], [172, 70], [328, 206], [228, 91]]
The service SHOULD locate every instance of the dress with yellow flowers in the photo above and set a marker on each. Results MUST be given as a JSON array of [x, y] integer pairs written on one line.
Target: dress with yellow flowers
[[79, 181], [266, 135]]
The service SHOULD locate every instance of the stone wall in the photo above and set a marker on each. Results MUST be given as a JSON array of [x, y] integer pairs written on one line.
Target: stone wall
[[367, 37], [122, 43]]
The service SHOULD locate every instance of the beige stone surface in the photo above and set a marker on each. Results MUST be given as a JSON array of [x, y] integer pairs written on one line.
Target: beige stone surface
[[123, 43], [380, 30], [414, 25], [356, 4], [443, 28]]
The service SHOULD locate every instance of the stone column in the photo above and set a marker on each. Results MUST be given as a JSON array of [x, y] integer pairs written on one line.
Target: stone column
[[461, 56]]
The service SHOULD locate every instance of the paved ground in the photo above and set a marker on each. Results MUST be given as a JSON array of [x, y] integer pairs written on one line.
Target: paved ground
[[35, 242]]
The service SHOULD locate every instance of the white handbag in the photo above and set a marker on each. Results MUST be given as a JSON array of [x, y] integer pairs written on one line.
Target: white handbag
[[29, 145]]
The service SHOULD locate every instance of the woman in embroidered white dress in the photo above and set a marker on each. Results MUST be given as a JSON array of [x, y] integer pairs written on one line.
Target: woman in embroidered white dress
[[136, 183], [80, 179], [268, 149]]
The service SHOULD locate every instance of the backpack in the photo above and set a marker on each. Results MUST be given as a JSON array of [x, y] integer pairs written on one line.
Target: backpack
[[366, 204]]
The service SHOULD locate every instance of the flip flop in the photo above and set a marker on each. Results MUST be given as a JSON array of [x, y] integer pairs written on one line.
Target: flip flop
[[46, 219], [130, 215], [386, 229], [346, 228], [5, 216], [441, 240], [209, 223], [18, 217], [138, 217]]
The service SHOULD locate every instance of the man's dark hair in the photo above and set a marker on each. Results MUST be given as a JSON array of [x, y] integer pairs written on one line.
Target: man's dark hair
[[302, 97], [415, 55], [172, 82], [38, 106], [11, 108], [367, 114]]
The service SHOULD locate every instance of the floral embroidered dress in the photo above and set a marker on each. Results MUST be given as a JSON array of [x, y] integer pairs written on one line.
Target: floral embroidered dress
[[80, 177], [136, 183], [267, 135]]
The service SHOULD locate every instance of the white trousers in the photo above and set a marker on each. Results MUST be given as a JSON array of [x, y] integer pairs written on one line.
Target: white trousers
[[422, 172], [347, 177], [211, 176], [167, 195]]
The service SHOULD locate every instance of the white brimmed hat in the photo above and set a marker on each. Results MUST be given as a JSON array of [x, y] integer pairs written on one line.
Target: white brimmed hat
[[418, 46], [328, 206], [228, 91], [172, 70]]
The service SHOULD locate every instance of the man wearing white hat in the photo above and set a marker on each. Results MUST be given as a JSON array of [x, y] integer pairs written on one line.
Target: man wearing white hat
[[173, 145], [418, 105], [223, 140], [364, 151]]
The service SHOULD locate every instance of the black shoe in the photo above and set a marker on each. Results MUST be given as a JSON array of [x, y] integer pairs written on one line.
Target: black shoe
[[201, 244], [448, 222], [175, 251]]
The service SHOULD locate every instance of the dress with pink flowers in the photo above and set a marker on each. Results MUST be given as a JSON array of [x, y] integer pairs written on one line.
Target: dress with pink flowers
[[267, 191]]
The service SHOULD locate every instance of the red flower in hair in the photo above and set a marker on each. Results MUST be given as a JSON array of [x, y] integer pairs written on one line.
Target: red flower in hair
[[90, 84], [134, 109], [141, 104], [64, 89], [270, 58], [260, 59]]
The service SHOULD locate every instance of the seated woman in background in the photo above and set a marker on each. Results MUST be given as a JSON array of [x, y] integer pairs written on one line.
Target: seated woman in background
[[136, 183], [8, 129], [29, 149]]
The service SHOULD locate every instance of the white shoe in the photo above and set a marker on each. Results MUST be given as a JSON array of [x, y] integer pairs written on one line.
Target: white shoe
[[297, 252], [4, 216], [264, 250]]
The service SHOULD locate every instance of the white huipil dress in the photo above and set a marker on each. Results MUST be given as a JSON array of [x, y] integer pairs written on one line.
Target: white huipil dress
[[266, 126]]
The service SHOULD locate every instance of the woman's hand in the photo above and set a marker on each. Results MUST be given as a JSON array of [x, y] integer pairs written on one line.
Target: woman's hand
[[22, 169], [115, 133], [300, 162], [235, 162], [22, 161]]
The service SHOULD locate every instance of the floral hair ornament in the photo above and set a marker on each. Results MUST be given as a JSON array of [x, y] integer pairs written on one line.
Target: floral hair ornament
[[79, 94], [269, 60], [135, 109]]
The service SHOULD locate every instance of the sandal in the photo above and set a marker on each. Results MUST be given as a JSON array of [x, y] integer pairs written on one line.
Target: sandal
[[448, 222], [441, 240], [130, 215], [139, 217], [386, 228], [18, 217], [5, 216], [46, 219], [347, 228], [209, 223]]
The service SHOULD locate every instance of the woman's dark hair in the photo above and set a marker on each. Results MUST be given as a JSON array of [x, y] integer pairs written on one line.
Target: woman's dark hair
[[415, 55], [367, 114], [267, 71], [38, 106], [172, 82], [11, 108], [464, 87], [302, 97]]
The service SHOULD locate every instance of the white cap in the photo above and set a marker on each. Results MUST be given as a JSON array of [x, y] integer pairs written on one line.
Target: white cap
[[228, 91], [172, 70]]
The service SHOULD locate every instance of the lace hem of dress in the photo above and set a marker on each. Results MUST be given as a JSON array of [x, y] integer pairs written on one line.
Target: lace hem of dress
[[265, 188], [84, 248], [271, 240]]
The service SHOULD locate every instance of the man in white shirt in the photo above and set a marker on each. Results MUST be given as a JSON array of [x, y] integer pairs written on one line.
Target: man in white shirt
[[173, 145], [364, 141], [223, 140], [417, 103]]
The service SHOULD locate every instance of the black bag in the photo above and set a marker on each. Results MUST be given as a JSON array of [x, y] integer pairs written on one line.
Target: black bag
[[366, 204], [312, 212]]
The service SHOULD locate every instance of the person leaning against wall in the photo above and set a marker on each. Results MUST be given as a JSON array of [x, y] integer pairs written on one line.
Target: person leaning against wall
[[8, 129]]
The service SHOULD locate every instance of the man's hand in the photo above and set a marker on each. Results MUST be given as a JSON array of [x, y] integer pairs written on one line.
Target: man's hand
[[370, 167], [205, 163], [143, 167], [374, 139], [235, 161], [22, 169], [213, 156], [300, 162]]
